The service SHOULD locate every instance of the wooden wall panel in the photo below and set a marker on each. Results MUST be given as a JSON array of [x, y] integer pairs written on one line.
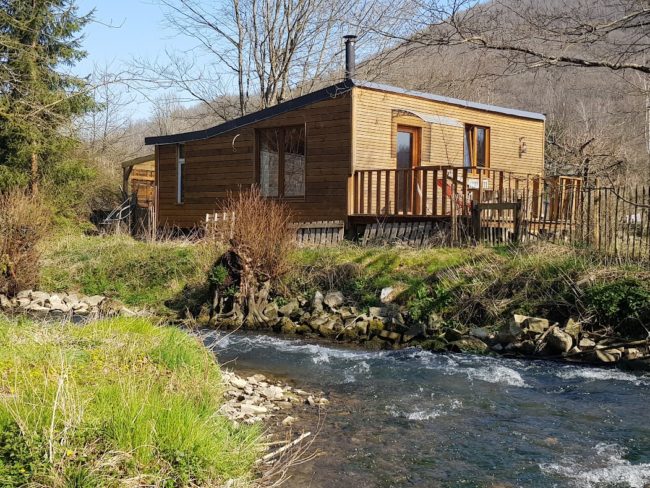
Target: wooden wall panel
[[215, 166], [377, 115]]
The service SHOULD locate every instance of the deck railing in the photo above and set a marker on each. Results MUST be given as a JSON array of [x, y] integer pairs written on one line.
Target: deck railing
[[441, 191]]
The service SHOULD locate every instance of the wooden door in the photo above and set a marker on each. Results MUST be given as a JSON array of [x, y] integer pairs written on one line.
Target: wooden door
[[408, 157]]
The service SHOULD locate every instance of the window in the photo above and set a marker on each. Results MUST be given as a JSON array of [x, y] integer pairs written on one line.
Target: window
[[477, 146], [180, 173], [282, 161]]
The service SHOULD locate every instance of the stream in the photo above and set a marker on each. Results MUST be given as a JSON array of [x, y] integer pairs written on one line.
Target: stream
[[411, 418]]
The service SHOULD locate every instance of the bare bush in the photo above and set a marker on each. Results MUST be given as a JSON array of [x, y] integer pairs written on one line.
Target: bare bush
[[260, 242], [24, 221]]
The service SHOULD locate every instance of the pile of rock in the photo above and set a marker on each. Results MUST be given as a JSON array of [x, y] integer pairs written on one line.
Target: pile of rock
[[328, 316], [58, 305], [389, 326], [256, 399], [534, 336]]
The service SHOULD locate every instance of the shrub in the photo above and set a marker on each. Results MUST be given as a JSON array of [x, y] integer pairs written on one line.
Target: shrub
[[24, 221], [261, 234], [619, 301]]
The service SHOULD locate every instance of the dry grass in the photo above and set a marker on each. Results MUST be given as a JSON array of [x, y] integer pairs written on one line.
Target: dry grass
[[24, 221]]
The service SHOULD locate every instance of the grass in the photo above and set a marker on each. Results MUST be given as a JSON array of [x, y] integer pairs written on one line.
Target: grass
[[362, 272], [114, 403], [134, 272]]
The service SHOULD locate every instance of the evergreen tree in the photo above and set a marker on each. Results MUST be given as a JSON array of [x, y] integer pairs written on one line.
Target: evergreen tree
[[39, 40]]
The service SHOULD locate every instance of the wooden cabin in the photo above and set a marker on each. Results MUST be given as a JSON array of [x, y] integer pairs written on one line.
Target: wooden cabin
[[353, 151]]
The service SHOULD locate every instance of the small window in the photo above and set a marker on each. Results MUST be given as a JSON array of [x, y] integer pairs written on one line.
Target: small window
[[180, 173], [477, 146], [282, 161]]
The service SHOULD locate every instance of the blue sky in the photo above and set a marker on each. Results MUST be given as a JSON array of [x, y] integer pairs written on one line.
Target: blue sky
[[137, 32]]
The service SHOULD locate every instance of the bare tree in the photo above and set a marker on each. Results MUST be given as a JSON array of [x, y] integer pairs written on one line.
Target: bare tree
[[533, 33], [253, 54]]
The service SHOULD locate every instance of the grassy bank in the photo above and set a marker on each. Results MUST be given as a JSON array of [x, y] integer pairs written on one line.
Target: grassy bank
[[137, 273], [485, 287], [115, 403], [471, 286]]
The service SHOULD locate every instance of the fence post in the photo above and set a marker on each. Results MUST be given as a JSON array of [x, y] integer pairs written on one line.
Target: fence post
[[518, 219], [476, 221]]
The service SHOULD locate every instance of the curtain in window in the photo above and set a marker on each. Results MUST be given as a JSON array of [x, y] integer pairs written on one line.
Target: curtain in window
[[269, 162], [294, 162]]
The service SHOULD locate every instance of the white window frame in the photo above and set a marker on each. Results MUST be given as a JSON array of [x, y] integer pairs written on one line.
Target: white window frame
[[180, 167]]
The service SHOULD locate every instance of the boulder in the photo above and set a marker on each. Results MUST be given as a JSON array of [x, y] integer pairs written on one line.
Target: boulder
[[348, 313], [94, 301], [436, 344], [452, 335], [238, 382], [362, 327], [573, 328], [519, 319], [290, 309], [434, 321], [37, 309], [288, 421], [586, 343], [24, 294], [71, 299], [39, 297], [23, 302], [559, 341], [271, 311], [536, 325], [376, 312], [390, 293], [317, 302], [390, 336], [480, 333], [327, 329], [416, 331], [334, 299], [526, 347], [273, 393], [509, 333], [58, 305], [287, 326], [631, 353], [609, 355], [5, 303], [468, 344]]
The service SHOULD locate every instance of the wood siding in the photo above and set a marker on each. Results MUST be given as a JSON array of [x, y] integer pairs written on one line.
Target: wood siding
[[224, 163], [378, 113]]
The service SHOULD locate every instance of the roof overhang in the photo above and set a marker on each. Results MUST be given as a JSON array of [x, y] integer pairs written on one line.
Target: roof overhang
[[433, 119], [140, 160]]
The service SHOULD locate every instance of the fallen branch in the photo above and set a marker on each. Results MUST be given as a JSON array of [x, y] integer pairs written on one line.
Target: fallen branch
[[277, 452]]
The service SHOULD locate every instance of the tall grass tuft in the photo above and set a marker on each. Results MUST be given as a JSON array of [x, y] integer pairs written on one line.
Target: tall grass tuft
[[24, 221], [115, 403]]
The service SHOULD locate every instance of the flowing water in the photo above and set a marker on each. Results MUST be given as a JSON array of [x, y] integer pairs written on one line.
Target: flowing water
[[415, 419]]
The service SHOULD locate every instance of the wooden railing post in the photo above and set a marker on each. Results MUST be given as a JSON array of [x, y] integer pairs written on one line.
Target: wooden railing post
[[476, 221]]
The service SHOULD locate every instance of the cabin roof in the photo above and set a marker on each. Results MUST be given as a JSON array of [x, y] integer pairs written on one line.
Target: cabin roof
[[140, 160], [332, 91]]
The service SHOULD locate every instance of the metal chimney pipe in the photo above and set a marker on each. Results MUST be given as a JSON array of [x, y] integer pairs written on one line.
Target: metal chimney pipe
[[350, 62]]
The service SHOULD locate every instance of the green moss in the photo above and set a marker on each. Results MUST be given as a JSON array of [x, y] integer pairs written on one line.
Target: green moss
[[112, 401]]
